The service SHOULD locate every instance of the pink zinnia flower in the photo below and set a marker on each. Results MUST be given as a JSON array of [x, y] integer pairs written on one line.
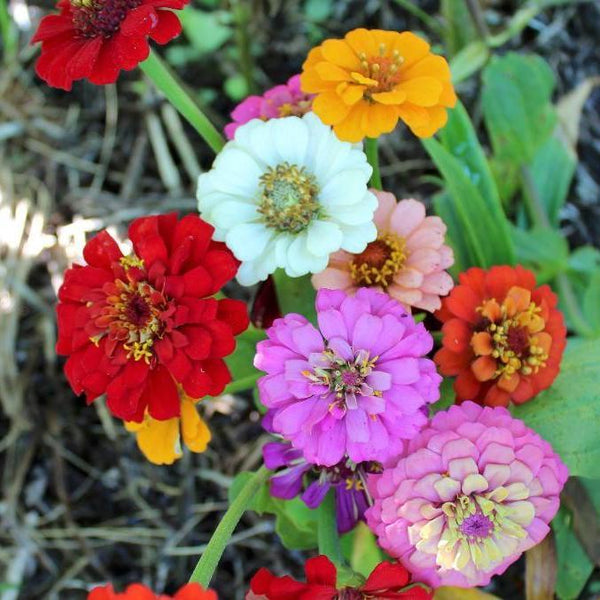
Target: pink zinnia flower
[[468, 496], [358, 386], [280, 101], [407, 260]]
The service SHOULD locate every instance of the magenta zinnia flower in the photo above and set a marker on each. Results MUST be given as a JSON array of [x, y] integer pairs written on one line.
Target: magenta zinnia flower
[[407, 260], [280, 101], [358, 386], [468, 496]]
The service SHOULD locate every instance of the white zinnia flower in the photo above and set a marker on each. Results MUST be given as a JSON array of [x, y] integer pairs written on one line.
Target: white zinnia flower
[[287, 193]]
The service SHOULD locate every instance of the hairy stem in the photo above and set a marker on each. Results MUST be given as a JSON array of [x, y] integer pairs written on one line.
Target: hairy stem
[[373, 158]]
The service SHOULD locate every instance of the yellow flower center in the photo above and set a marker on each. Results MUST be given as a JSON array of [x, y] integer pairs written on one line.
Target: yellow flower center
[[512, 335], [289, 198], [380, 73], [379, 261]]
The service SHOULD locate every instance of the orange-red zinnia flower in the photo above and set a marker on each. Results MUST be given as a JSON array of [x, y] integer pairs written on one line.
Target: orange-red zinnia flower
[[370, 79], [140, 327], [137, 591], [503, 337]]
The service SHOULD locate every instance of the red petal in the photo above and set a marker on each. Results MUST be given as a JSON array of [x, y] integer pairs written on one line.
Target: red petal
[[139, 21], [321, 571], [223, 342], [101, 251], [386, 576], [234, 313], [106, 70], [161, 396], [222, 267], [499, 280], [82, 62], [106, 592], [199, 283], [147, 241], [462, 302], [200, 342], [167, 28], [51, 26]]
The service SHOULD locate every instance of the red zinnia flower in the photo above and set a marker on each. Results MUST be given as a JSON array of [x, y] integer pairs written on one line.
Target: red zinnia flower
[[135, 327], [137, 591], [95, 39], [503, 337], [388, 581]]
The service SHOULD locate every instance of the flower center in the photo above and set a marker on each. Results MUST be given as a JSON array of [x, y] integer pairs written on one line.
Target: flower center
[[297, 109], [94, 18], [345, 379], [288, 201], [380, 73], [131, 312], [379, 261], [349, 594], [477, 526], [512, 334]]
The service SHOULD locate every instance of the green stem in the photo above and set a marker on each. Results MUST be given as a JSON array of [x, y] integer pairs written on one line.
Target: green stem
[[538, 215], [242, 13], [373, 158], [327, 533], [170, 85], [9, 33], [218, 542]]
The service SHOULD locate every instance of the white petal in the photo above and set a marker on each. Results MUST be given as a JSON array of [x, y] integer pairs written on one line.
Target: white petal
[[290, 136], [356, 238], [236, 172], [248, 240], [227, 214], [300, 261], [343, 189], [323, 238]]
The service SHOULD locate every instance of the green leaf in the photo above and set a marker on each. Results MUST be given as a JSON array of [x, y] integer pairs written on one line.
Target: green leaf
[[236, 87], [469, 60], [240, 363], [445, 209], [542, 250], [516, 105], [361, 550], [459, 28], [574, 566], [206, 31], [295, 523], [567, 414], [591, 302], [480, 223], [295, 295], [318, 10], [552, 170]]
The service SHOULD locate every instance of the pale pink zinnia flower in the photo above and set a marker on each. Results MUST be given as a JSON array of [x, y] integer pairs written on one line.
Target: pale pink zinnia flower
[[469, 494], [280, 101], [407, 260]]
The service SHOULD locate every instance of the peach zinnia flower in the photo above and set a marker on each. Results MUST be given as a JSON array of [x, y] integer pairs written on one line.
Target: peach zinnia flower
[[370, 79], [503, 337], [407, 260]]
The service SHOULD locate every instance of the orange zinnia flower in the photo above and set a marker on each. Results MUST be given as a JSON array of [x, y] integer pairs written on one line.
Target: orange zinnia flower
[[503, 337], [137, 591], [370, 79]]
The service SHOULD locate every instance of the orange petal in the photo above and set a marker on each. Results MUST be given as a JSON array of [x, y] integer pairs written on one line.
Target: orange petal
[[510, 383], [456, 335], [360, 78], [484, 368], [330, 108], [437, 117], [394, 97], [466, 385], [349, 129], [543, 340], [330, 72], [496, 397], [491, 310], [341, 54], [159, 441], [481, 342], [422, 91], [517, 300], [378, 119], [196, 434], [350, 93], [451, 363], [411, 47], [362, 40], [430, 66]]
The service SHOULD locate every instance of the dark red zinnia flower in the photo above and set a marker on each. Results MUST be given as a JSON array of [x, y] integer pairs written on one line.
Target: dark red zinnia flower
[[388, 581], [95, 39], [503, 337], [136, 327]]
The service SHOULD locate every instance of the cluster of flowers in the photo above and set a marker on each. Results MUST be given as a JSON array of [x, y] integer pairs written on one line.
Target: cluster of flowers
[[455, 498]]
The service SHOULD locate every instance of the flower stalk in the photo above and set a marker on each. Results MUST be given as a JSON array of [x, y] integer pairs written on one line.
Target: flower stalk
[[372, 153], [170, 85], [209, 560]]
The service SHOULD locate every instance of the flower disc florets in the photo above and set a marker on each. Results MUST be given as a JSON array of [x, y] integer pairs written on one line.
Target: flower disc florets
[[139, 327], [286, 193], [355, 388], [469, 494]]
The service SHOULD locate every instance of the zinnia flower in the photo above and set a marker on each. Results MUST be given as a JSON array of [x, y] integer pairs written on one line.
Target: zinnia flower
[[387, 581], [356, 387], [407, 260], [136, 327], [279, 101], [160, 441], [472, 492], [503, 337], [95, 39], [370, 79], [295, 476], [137, 591], [286, 193]]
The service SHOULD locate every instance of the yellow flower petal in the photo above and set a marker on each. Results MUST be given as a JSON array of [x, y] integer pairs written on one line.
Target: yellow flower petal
[[363, 80], [330, 72], [362, 40], [330, 108], [378, 119], [159, 441], [412, 48], [350, 93], [341, 54], [194, 430], [390, 98], [422, 91]]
